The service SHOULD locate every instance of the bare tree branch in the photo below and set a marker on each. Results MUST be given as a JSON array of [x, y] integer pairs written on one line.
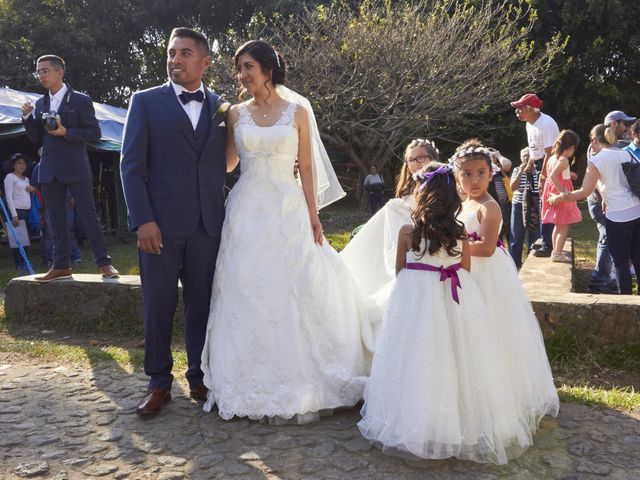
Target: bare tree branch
[[387, 72]]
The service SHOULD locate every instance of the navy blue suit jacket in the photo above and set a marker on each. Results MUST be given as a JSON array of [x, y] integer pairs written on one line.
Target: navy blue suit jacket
[[166, 179], [65, 158]]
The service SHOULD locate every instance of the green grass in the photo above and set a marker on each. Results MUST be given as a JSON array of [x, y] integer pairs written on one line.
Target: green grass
[[123, 253], [584, 236], [625, 398], [579, 364], [339, 240], [566, 350], [128, 359]]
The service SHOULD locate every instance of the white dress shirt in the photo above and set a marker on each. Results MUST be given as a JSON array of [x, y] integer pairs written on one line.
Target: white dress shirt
[[56, 100], [193, 109]]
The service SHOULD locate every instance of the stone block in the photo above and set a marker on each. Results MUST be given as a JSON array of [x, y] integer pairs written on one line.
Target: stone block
[[599, 319], [87, 303]]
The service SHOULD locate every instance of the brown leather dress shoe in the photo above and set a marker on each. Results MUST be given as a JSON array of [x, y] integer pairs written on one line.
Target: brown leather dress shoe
[[153, 401], [199, 392], [108, 271], [55, 274]]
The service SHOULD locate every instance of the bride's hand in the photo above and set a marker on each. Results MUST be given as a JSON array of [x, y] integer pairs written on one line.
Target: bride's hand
[[316, 226]]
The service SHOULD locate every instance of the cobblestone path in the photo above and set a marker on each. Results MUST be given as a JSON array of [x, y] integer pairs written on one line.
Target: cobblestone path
[[69, 422]]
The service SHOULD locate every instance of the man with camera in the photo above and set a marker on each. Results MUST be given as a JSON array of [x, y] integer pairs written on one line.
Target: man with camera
[[63, 121]]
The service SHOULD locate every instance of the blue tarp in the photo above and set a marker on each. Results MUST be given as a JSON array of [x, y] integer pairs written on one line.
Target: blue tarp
[[111, 119]]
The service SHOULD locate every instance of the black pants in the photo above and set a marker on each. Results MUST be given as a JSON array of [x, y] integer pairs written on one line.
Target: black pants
[[624, 245], [376, 201]]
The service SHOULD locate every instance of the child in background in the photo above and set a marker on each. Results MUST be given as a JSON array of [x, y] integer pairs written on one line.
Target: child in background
[[436, 388], [17, 191], [558, 182]]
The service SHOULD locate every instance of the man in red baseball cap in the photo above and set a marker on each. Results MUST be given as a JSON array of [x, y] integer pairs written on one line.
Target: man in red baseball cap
[[529, 99], [542, 131]]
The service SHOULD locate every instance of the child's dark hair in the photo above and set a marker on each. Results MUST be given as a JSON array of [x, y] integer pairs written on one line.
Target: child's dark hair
[[435, 216], [566, 139], [471, 149]]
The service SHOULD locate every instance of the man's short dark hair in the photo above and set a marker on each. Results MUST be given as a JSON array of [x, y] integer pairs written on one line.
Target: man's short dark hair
[[56, 61], [200, 39]]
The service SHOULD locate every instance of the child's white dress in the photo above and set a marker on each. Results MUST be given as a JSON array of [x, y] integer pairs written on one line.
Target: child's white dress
[[519, 336], [437, 388]]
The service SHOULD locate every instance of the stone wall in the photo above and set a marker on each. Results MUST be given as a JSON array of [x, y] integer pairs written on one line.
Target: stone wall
[[89, 303], [600, 319], [85, 304]]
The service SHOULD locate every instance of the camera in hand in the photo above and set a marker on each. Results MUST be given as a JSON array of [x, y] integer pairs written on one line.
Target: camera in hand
[[50, 121]]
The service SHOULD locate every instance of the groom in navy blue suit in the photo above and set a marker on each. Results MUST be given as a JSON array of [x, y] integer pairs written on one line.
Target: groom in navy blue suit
[[173, 172]]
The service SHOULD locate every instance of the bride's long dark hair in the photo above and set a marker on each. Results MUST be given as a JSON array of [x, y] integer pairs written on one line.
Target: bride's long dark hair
[[271, 62]]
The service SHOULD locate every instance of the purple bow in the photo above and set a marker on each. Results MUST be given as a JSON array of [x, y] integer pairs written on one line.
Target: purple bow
[[499, 243], [450, 272], [425, 177]]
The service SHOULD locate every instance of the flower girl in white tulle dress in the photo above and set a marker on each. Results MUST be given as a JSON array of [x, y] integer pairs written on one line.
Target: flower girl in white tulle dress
[[519, 337], [437, 388]]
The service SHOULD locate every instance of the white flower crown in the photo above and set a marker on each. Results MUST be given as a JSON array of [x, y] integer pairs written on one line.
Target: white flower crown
[[423, 142], [469, 151]]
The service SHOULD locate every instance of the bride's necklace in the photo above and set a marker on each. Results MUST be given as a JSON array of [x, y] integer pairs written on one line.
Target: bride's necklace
[[268, 109]]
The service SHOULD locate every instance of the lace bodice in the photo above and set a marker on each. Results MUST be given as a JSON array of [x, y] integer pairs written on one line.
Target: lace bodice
[[267, 152]]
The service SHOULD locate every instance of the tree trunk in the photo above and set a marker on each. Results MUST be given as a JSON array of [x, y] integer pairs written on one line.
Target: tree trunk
[[361, 195]]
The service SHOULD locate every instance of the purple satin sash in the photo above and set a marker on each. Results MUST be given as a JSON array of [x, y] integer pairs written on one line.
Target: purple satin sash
[[449, 272], [499, 243]]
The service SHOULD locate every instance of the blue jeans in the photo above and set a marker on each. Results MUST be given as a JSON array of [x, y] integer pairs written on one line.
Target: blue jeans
[[601, 275], [624, 245], [546, 230], [517, 234]]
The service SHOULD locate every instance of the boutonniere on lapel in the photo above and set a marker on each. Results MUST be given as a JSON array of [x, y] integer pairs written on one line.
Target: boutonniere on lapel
[[222, 109]]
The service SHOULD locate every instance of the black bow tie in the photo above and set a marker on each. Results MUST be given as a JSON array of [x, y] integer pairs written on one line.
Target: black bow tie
[[186, 97]]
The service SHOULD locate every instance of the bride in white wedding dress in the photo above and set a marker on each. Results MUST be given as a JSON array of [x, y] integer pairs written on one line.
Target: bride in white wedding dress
[[283, 338]]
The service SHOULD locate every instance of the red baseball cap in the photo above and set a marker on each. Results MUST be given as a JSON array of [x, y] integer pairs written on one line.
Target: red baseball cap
[[530, 99]]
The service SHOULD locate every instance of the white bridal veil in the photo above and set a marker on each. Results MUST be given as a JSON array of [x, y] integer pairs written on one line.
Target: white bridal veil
[[325, 182]]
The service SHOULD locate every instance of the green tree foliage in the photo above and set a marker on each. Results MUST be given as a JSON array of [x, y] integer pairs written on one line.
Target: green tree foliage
[[599, 70], [382, 73], [112, 47]]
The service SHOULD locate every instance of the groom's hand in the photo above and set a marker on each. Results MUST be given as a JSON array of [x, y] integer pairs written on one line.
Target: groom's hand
[[150, 238]]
